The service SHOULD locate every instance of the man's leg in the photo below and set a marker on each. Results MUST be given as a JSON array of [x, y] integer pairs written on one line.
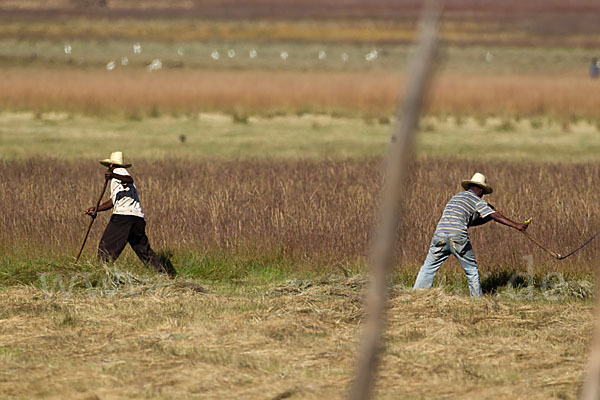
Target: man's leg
[[140, 244], [464, 252], [113, 239], [438, 253]]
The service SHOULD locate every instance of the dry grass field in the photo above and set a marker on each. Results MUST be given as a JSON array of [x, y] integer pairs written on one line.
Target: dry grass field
[[135, 95], [257, 149], [549, 22], [232, 219], [150, 339], [398, 30]]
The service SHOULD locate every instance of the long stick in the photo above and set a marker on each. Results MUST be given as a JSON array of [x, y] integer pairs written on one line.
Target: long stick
[[92, 221], [397, 161], [553, 254]]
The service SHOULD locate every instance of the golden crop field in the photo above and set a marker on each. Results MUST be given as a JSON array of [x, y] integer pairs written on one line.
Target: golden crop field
[[310, 217], [136, 94]]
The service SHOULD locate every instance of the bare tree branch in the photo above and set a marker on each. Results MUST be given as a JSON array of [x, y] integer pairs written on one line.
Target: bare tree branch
[[399, 152]]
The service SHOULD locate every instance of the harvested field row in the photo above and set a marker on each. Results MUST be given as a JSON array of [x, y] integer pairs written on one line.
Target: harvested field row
[[136, 94], [305, 216], [156, 339]]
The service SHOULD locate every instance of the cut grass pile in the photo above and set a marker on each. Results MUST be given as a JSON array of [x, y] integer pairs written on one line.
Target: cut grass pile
[[149, 338]]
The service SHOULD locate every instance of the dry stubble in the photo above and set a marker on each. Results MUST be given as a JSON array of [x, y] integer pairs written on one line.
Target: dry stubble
[[166, 340]]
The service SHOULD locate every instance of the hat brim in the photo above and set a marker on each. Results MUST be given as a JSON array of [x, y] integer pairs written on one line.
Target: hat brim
[[108, 163], [486, 189]]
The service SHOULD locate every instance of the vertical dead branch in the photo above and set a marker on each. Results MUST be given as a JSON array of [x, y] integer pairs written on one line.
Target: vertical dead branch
[[591, 385], [399, 152]]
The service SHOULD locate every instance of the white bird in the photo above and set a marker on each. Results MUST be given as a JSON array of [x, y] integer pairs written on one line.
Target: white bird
[[155, 65]]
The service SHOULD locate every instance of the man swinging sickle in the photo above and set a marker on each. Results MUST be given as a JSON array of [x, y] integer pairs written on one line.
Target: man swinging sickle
[[127, 224], [463, 210]]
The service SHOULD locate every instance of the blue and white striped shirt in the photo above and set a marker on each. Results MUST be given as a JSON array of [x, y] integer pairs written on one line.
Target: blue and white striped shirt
[[461, 211]]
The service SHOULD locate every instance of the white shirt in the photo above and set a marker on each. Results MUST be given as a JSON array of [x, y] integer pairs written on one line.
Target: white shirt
[[124, 196]]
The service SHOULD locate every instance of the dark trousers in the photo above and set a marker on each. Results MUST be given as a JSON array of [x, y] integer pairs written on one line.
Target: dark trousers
[[123, 229]]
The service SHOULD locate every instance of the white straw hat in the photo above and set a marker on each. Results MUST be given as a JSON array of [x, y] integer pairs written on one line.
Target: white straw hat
[[479, 180], [116, 158]]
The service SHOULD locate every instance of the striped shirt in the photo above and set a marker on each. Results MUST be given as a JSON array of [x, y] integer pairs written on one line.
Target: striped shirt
[[461, 211]]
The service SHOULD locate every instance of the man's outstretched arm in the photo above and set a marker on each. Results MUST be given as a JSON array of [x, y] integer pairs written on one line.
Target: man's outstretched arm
[[499, 217]]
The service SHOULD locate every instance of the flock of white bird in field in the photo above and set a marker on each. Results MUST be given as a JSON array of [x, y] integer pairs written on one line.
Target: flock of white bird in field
[[156, 64]]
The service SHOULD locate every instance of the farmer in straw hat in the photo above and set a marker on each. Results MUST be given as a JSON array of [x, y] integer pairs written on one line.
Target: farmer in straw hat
[[127, 224], [463, 210]]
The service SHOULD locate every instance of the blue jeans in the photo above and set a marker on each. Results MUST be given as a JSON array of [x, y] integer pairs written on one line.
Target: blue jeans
[[442, 245]]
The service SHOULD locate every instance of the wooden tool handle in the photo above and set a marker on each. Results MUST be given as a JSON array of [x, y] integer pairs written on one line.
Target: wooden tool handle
[[92, 221]]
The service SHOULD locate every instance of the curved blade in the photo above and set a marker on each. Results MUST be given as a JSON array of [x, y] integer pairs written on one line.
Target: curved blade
[[580, 247], [556, 255]]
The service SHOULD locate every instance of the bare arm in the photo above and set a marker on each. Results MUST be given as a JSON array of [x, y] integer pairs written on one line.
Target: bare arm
[[109, 174], [107, 205], [498, 217]]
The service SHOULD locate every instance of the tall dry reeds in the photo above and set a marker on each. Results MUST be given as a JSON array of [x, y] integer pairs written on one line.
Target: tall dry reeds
[[137, 93], [308, 214]]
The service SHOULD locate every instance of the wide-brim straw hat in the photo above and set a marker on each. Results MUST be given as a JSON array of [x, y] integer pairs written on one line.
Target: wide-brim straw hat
[[478, 180], [116, 159]]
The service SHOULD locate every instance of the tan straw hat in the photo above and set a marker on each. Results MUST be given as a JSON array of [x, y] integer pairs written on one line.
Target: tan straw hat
[[479, 180], [115, 159]]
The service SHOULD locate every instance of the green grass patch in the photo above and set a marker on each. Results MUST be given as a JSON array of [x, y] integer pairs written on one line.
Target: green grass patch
[[180, 53], [233, 274], [218, 136]]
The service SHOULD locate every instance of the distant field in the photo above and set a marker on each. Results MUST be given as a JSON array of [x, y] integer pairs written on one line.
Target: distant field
[[317, 54], [139, 94], [238, 67], [466, 21], [221, 136], [398, 31]]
